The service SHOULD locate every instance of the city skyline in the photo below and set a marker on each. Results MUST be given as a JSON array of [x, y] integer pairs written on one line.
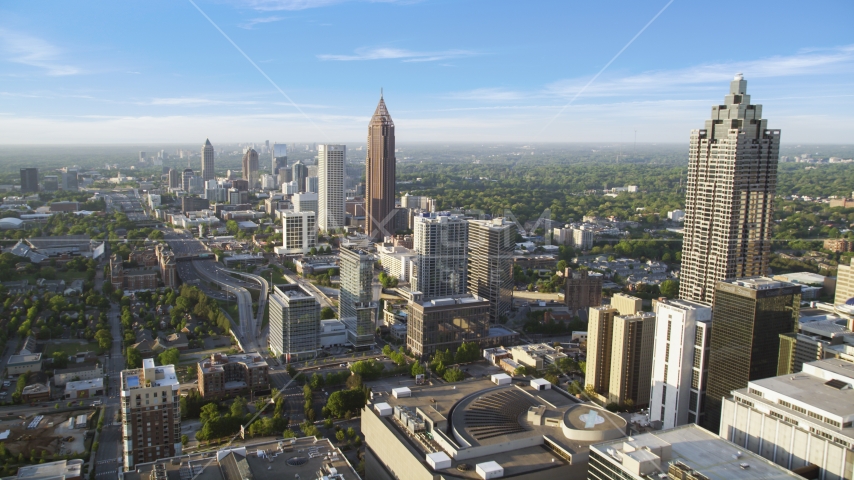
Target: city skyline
[[475, 83]]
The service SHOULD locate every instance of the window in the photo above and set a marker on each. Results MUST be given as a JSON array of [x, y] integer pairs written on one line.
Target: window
[[753, 391], [784, 403]]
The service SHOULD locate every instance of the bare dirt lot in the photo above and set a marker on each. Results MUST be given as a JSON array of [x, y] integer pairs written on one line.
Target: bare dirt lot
[[51, 436]]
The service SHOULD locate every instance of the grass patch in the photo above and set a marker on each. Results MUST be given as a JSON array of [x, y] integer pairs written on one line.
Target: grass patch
[[69, 348], [278, 278], [232, 309], [68, 276], [266, 320]]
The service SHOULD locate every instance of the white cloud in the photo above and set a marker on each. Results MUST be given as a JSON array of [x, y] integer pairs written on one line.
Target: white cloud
[[35, 52], [250, 24], [384, 53]]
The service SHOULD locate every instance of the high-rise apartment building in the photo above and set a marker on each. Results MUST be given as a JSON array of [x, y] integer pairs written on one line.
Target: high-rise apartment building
[[299, 232], [250, 168], [801, 422], [748, 316], [490, 269], [445, 323], [732, 179], [294, 323], [330, 194], [631, 359], [845, 284], [355, 307], [174, 178], [441, 244], [583, 290], [208, 161], [151, 414], [29, 180], [300, 173], [626, 304], [600, 333], [679, 362], [280, 158], [380, 174]]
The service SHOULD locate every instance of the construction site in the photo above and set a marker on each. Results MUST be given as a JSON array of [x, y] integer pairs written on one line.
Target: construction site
[[45, 435]]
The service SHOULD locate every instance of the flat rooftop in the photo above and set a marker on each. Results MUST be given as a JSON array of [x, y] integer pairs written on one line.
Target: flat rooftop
[[163, 376], [698, 449], [29, 358], [304, 459], [758, 283], [60, 469]]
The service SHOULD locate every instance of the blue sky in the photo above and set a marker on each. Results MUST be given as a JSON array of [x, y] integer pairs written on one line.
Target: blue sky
[[452, 70]]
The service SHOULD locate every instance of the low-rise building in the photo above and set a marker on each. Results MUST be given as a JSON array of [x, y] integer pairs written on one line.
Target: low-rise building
[[332, 333], [536, 355], [84, 388], [19, 364], [62, 469], [86, 371], [224, 375]]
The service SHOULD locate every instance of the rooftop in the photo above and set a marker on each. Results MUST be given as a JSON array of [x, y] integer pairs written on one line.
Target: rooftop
[[158, 376], [464, 299], [27, 358], [758, 283], [55, 470], [85, 384], [696, 448]]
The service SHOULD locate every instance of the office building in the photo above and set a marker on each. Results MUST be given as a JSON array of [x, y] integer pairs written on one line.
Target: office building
[[299, 232], [299, 173], [748, 315], [312, 184], [355, 307], [250, 168], [69, 181], [732, 179], [151, 414], [441, 245], [483, 429], [445, 323], [186, 178], [802, 422], [679, 362], [688, 452], [294, 323], [174, 178], [240, 184], [380, 174], [818, 337], [583, 290], [490, 269], [280, 158], [208, 161], [582, 238], [29, 180], [194, 204], [237, 197], [845, 284], [215, 193], [224, 375], [330, 186], [305, 202], [600, 325]]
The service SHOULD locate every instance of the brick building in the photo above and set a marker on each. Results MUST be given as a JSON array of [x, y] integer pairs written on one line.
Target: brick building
[[224, 375]]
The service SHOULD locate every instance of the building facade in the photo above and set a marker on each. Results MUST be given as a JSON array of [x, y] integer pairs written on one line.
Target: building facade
[[294, 323], [250, 168], [355, 307], [280, 158], [445, 323], [299, 232], [207, 161], [582, 290], [29, 180], [299, 174], [441, 266], [748, 315], [680, 362], [224, 375], [732, 179], [490, 269], [151, 413], [330, 195], [380, 174], [631, 359]]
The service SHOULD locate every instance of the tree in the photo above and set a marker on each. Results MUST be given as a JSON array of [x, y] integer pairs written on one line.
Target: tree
[[367, 369], [468, 352], [232, 227], [340, 435], [238, 407], [669, 288], [317, 381], [209, 412], [170, 356], [351, 432], [289, 434], [520, 371], [327, 423], [60, 359], [327, 313], [552, 378], [454, 375], [417, 369], [561, 266], [185, 440], [134, 358], [344, 401]]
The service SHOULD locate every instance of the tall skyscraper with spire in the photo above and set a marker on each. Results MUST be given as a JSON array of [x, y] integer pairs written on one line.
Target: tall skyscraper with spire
[[207, 161], [732, 179], [380, 174]]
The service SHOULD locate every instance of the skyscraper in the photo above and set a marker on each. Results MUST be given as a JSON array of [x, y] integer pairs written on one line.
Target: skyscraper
[[151, 413], [294, 323], [300, 173], [441, 265], [186, 179], [380, 174], [490, 275], [280, 157], [250, 167], [732, 178], [174, 178], [330, 195], [355, 308], [29, 180], [208, 161], [748, 317]]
